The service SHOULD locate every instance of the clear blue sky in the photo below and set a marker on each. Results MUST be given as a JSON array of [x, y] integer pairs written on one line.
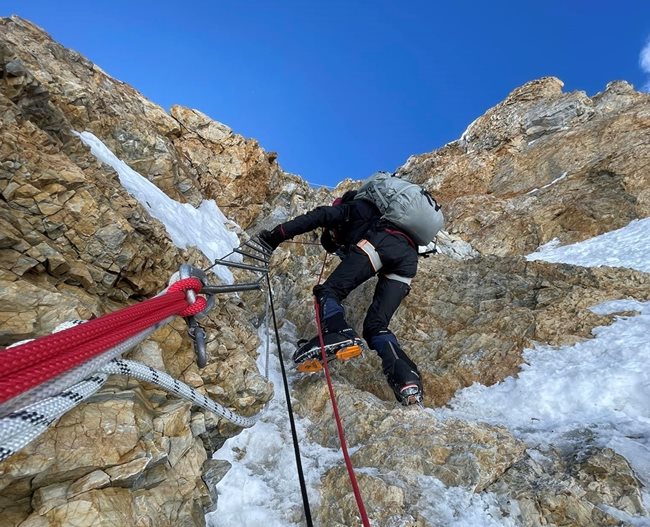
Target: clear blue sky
[[343, 88]]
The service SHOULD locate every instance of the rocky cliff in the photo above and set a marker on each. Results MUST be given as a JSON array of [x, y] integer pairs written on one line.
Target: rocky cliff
[[75, 244], [543, 164]]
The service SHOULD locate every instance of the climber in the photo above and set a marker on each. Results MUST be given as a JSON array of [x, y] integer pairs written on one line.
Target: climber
[[357, 231]]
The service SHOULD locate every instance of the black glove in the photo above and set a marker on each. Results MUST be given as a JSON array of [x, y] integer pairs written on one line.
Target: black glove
[[272, 238], [328, 243]]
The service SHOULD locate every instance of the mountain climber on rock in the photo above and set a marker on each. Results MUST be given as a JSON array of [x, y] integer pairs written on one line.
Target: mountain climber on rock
[[369, 244]]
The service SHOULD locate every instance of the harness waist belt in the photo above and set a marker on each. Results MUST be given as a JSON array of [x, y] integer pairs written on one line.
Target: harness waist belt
[[372, 254], [404, 279]]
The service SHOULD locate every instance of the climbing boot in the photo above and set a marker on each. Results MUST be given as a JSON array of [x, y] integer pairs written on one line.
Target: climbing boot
[[401, 373], [409, 394], [405, 383], [340, 345]]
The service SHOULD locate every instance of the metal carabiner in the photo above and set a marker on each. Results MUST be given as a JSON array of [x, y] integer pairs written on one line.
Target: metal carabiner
[[197, 334], [194, 329], [187, 271]]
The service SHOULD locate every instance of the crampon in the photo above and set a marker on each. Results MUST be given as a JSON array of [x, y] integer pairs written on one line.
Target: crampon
[[314, 364], [409, 394]]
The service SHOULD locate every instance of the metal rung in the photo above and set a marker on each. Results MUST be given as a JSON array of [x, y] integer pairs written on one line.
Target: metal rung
[[242, 266], [257, 247], [216, 289], [251, 256]]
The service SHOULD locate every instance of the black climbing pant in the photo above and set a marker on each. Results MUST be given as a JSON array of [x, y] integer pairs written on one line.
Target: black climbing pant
[[387, 254]]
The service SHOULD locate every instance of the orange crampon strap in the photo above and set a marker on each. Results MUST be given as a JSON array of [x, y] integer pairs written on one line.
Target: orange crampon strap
[[315, 365]]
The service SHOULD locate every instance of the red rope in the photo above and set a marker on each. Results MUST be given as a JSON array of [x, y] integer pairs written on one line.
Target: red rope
[[33, 363], [337, 417]]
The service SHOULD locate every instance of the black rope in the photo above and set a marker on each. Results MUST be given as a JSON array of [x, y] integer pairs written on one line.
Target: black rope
[[287, 395], [294, 435]]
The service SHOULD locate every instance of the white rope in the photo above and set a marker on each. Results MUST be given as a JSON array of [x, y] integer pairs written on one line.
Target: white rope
[[168, 383], [66, 380], [29, 414], [20, 428], [23, 426], [45, 411]]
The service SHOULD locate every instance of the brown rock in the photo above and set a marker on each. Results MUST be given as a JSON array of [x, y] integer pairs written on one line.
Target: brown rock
[[543, 164], [394, 448], [95, 480], [573, 489], [233, 171]]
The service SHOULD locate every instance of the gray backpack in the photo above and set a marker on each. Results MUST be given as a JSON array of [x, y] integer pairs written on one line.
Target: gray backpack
[[404, 204]]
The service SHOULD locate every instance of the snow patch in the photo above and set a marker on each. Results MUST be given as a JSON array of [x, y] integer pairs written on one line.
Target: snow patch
[[616, 306], [458, 507], [556, 180], [464, 136], [203, 227], [598, 389], [628, 519], [262, 488], [625, 247]]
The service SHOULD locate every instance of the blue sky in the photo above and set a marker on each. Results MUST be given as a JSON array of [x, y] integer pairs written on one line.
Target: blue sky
[[344, 88]]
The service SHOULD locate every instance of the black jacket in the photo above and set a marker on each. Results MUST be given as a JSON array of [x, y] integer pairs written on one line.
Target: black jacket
[[349, 221]]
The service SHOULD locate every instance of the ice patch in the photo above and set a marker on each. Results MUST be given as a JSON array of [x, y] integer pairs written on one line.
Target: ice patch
[[625, 247], [598, 388], [458, 507], [203, 227]]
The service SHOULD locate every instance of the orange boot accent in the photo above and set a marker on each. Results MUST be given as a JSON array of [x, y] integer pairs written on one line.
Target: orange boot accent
[[310, 366], [348, 353], [315, 365]]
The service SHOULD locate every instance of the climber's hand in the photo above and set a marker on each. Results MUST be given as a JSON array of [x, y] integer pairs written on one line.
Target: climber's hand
[[271, 239]]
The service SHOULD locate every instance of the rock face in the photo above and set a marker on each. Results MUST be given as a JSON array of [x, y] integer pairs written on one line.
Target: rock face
[[406, 447], [228, 168], [74, 244], [543, 164]]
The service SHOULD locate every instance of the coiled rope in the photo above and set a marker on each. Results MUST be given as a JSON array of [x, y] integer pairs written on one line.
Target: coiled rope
[[62, 382], [20, 428], [36, 362]]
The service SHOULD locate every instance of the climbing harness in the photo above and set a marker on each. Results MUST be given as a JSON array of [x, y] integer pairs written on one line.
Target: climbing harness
[[42, 379]]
